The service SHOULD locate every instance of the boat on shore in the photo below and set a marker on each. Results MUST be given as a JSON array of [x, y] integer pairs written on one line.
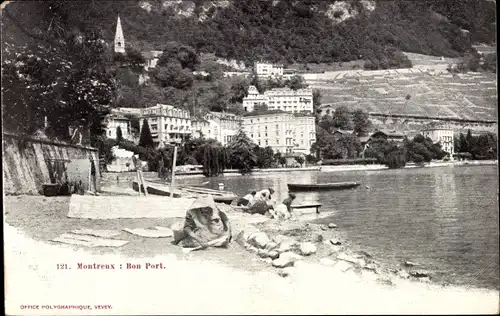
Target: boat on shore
[[155, 189], [164, 190], [322, 186]]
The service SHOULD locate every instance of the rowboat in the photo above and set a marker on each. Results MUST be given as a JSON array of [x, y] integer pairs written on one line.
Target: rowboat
[[164, 190], [156, 189], [322, 186]]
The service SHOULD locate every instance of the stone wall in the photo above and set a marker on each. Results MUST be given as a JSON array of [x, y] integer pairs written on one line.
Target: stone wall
[[29, 162]]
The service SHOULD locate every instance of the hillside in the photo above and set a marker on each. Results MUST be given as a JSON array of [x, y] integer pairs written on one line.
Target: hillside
[[414, 93], [276, 30]]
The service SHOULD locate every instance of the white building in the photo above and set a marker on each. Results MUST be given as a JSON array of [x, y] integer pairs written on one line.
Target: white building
[[443, 135], [266, 70], [253, 99], [119, 39], [216, 125], [113, 121], [286, 133], [167, 123], [284, 99], [151, 58]]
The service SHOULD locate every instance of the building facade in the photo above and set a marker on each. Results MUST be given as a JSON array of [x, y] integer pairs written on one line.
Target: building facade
[[223, 126], [168, 125], [444, 136], [113, 121], [284, 99], [284, 132], [267, 70]]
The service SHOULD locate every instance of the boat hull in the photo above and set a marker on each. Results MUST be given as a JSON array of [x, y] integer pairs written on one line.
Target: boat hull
[[322, 186], [153, 189]]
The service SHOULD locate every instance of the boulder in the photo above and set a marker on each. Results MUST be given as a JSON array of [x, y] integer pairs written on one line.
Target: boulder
[[327, 261], [286, 245], [273, 254], [286, 259], [323, 227], [332, 225], [258, 239], [335, 242], [262, 253], [419, 274], [271, 245], [371, 266], [307, 248], [403, 274], [410, 264]]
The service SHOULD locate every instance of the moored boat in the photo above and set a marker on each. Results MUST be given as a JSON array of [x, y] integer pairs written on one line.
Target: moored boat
[[322, 186], [153, 188]]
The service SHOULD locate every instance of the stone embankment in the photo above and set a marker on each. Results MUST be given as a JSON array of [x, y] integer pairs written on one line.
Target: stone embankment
[[290, 246]]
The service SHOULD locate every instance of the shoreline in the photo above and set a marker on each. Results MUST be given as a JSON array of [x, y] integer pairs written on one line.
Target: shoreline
[[332, 249], [306, 287], [327, 168]]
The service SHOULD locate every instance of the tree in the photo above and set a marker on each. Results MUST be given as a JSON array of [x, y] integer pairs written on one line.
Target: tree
[[241, 151], [470, 143], [341, 118], [119, 135], [316, 99], [135, 58], [184, 54], [173, 75], [296, 83], [265, 156], [146, 139], [300, 160], [361, 122]]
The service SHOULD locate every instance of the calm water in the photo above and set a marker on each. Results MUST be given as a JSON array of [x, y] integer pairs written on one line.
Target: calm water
[[445, 218]]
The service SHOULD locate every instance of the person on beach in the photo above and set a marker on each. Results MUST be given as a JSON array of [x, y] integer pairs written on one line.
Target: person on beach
[[204, 226], [263, 203], [247, 200], [284, 209]]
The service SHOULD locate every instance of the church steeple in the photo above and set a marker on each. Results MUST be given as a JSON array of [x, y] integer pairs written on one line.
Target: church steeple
[[119, 40]]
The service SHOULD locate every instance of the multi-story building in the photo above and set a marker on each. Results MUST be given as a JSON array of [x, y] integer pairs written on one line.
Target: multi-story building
[[266, 70], [216, 125], [223, 126], [283, 132], [289, 100], [113, 121], [253, 99], [167, 123], [284, 99], [443, 135]]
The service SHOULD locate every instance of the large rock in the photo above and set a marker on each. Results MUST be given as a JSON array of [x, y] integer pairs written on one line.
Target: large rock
[[271, 245], [286, 245], [258, 240], [273, 254], [335, 242], [307, 248], [332, 225], [286, 259], [419, 274]]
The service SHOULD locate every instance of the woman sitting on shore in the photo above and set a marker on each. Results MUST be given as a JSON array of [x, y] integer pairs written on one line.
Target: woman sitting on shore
[[204, 226]]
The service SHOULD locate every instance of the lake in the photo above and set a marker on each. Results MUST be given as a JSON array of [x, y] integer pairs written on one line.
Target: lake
[[444, 218]]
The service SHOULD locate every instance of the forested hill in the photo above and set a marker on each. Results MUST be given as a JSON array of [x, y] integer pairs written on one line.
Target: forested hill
[[287, 31]]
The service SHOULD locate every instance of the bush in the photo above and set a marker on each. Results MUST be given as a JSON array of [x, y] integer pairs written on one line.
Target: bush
[[339, 162]]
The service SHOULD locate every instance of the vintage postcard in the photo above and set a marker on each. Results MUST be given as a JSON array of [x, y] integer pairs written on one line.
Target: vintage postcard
[[250, 157]]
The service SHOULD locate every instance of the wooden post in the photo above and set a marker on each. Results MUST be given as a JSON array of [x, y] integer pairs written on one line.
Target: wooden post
[[172, 182]]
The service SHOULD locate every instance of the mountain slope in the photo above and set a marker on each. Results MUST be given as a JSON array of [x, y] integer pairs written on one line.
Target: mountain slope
[[276, 30]]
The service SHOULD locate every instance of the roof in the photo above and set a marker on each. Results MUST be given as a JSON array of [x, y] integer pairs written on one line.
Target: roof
[[389, 133], [341, 131]]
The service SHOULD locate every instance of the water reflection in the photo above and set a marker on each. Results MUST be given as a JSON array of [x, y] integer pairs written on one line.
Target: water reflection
[[445, 218]]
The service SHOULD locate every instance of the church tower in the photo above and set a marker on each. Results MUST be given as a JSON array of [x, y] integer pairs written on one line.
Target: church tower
[[119, 40]]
